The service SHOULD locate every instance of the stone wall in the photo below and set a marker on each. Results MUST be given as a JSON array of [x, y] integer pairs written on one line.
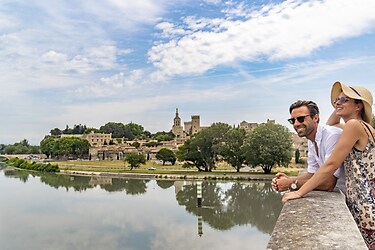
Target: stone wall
[[321, 220]]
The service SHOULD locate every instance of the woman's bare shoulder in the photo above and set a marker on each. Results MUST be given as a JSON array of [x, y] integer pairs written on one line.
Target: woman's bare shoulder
[[353, 125]]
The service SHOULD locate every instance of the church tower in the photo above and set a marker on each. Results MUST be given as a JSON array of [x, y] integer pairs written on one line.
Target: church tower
[[177, 120], [177, 129]]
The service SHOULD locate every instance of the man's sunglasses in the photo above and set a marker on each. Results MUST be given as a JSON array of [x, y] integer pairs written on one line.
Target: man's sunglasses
[[300, 119], [341, 99]]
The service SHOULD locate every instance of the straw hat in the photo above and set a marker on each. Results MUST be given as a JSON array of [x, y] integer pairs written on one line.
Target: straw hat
[[354, 92]]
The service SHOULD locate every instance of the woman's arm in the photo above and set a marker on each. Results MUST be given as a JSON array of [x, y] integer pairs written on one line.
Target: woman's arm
[[334, 120], [350, 135]]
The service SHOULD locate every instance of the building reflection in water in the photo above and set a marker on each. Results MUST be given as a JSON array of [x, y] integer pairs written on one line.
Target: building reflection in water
[[220, 205]]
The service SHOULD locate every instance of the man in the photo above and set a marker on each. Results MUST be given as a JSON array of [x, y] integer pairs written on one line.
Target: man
[[321, 142]]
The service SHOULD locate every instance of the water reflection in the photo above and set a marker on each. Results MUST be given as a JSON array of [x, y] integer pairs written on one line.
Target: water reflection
[[224, 207], [82, 183], [151, 217]]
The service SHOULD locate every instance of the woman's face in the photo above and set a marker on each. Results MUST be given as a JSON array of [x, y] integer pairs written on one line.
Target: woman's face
[[347, 107]]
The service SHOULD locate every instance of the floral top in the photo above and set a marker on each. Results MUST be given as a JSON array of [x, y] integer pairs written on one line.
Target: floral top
[[360, 185]]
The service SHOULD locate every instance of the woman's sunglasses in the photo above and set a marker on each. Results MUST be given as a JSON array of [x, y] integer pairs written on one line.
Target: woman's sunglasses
[[300, 119], [341, 99]]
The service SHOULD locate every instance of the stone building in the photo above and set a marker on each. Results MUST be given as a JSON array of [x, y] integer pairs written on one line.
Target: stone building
[[100, 148], [110, 152], [177, 129], [249, 126], [190, 127], [300, 143], [95, 139]]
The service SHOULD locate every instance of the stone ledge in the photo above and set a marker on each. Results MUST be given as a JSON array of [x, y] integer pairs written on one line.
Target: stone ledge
[[321, 220]]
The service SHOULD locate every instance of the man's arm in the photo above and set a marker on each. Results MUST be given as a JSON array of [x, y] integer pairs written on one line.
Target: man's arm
[[282, 182]]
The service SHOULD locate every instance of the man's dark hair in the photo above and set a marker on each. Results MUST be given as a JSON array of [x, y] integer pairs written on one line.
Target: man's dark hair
[[312, 106]]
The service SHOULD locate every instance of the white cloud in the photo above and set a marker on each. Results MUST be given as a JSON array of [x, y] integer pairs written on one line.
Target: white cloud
[[288, 30], [297, 73], [85, 62], [212, 1], [121, 80], [169, 30], [124, 14], [92, 59], [54, 57]]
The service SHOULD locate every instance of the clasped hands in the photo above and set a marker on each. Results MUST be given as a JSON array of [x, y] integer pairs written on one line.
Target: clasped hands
[[281, 183]]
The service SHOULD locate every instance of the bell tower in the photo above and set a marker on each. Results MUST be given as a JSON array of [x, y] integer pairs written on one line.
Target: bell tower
[[177, 128], [177, 119]]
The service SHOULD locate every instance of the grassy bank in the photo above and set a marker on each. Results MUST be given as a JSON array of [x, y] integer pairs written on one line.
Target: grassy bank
[[114, 166]]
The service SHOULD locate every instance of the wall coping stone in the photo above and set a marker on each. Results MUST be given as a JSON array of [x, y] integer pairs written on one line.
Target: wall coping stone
[[320, 220]]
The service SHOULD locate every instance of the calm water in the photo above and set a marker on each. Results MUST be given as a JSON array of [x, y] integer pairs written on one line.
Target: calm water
[[48, 211]]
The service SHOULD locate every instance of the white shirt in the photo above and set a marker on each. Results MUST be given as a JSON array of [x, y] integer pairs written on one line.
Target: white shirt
[[326, 138]]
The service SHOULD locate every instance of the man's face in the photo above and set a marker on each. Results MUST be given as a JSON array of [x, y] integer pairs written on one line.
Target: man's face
[[308, 124]]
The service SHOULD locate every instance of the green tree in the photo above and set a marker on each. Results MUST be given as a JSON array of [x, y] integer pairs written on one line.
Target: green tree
[[232, 148], [136, 144], [117, 129], [133, 130], [146, 135], [89, 130], [163, 136], [47, 146], [135, 160], [65, 147], [152, 144], [67, 131], [24, 142], [296, 156], [73, 147], [79, 129], [56, 132], [268, 145], [165, 154], [22, 147], [202, 149]]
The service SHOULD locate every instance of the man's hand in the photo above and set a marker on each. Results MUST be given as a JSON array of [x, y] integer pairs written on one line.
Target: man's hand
[[281, 182], [290, 196]]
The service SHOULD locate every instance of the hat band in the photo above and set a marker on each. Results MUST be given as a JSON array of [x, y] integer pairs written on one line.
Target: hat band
[[355, 91]]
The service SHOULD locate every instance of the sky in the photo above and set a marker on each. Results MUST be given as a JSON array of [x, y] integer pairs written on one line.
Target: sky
[[86, 62]]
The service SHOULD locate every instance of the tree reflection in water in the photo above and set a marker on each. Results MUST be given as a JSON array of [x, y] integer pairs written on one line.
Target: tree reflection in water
[[81, 183], [225, 205], [242, 203]]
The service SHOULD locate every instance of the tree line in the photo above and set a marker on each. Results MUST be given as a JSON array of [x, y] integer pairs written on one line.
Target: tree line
[[22, 147], [266, 146], [129, 131]]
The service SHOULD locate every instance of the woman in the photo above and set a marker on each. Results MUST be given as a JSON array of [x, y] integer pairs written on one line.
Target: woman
[[356, 148]]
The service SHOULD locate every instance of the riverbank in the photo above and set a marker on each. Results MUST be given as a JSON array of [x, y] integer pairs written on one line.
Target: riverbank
[[175, 176], [158, 171]]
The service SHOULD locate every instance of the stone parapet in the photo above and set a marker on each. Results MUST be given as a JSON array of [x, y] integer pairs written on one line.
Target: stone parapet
[[321, 220]]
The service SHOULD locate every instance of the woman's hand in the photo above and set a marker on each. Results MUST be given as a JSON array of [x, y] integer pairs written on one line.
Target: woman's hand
[[291, 196]]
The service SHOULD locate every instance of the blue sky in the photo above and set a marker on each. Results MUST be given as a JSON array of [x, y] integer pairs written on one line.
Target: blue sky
[[92, 62]]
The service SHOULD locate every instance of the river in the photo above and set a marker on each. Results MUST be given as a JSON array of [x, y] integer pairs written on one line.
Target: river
[[54, 211]]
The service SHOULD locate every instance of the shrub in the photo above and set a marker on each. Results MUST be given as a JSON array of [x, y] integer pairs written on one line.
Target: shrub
[[24, 164]]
